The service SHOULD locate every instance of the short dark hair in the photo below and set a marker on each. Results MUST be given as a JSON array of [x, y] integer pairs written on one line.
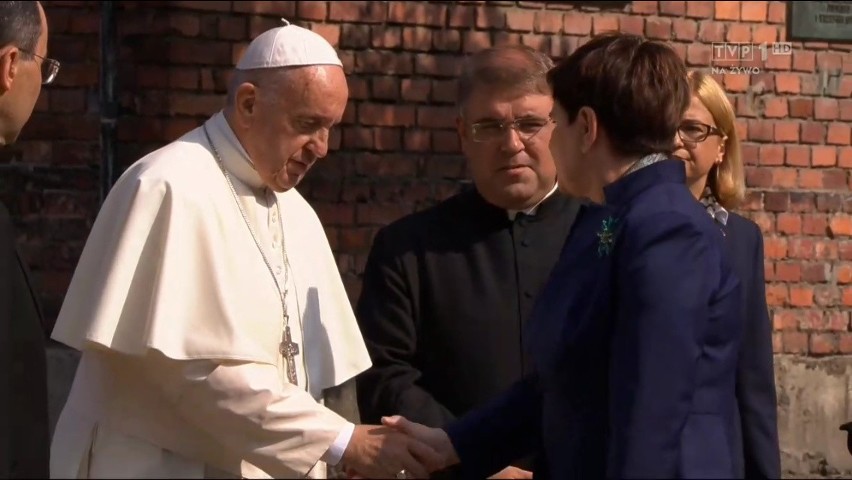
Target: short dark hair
[[508, 67], [20, 25], [637, 88]]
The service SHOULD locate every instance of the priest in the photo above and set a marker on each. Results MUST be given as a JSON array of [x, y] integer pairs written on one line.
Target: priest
[[208, 305]]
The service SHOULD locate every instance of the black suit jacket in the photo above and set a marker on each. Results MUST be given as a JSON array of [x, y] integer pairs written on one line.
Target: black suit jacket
[[24, 429], [756, 396], [446, 292]]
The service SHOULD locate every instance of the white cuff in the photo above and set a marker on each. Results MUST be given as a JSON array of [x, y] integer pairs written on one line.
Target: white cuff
[[335, 452]]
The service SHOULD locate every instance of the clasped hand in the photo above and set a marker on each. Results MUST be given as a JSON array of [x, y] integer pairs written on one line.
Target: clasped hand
[[397, 448]]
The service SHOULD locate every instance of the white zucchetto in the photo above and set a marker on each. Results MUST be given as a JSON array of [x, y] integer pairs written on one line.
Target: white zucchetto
[[288, 46]]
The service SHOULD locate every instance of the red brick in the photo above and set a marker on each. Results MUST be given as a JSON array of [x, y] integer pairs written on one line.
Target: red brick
[[765, 34], [804, 60], [386, 115], [823, 343], [797, 155], [476, 41], [787, 83], [831, 61], [445, 141], [841, 225], [632, 25], [776, 108], [490, 18], [286, 9], [357, 138], [845, 109], [735, 82], [660, 29], [813, 132], [826, 109], [778, 62], [699, 55], [384, 62], [548, 22], [839, 134], [386, 37], [699, 9], [787, 272], [771, 155], [417, 39], [540, 43], [329, 32], [387, 139], [577, 24], [739, 33], [801, 107], [710, 31], [415, 89], [446, 40], [754, 11], [506, 38], [843, 273], [784, 178], [801, 296], [438, 65], [776, 12], [787, 131], [795, 342], [644, 7], [847, 297], [604, 23], [520, 20], [789, 223], [417, 140], [845, 158], [436, 117], [354, 36], [727, 10], [674, 9], [684, 29], [364, 12], [385, 88], [310, 10]]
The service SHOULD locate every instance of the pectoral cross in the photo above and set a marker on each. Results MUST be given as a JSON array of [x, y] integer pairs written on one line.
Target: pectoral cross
[[289, 349]]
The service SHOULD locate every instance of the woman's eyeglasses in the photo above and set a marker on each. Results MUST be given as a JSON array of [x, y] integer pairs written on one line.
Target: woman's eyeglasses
[[697, 132]]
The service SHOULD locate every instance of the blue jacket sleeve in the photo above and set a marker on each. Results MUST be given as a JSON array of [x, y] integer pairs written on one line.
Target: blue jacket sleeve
[[665, 276], [756, 375], [504, 430]]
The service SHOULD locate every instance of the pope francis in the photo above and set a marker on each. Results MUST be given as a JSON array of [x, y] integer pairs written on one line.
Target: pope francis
[[208, 305]]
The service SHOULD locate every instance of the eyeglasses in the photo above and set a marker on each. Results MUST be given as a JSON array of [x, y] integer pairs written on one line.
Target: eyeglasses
[[492, 130], [49, 68], [697, 132]]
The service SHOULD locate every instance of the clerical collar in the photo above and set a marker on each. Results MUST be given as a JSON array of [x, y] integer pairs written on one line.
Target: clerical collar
[[234, 157], [531, 211]]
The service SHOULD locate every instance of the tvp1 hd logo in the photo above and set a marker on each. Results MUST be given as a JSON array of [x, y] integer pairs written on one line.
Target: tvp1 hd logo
[[744, 58]]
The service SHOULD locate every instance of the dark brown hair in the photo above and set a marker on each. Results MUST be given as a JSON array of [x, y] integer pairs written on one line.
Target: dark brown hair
[[637, 88], [508, 67]]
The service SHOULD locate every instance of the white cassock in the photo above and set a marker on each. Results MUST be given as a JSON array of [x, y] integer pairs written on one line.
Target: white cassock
[[180, 323]]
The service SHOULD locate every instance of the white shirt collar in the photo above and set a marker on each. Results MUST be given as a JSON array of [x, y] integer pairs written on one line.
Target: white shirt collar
[[534, 208], [234, 156]]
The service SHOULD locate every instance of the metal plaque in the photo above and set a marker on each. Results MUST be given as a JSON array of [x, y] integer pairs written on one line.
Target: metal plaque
[[820, 21]]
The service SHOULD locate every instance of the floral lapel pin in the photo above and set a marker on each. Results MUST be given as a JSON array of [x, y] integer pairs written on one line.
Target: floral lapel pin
[[606, 237]]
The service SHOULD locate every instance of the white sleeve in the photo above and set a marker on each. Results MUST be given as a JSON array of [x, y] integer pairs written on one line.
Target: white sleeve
[[273, 425], [335, 451]]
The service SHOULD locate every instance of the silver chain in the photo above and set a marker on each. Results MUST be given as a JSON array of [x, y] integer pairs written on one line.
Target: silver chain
[[254, 236]]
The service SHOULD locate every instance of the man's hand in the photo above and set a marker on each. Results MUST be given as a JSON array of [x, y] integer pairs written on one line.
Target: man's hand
[[512, 472], [435, 438], [382, 452]]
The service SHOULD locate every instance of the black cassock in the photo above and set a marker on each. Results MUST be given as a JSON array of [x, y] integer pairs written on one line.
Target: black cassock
[[445, 294], [24, 430]]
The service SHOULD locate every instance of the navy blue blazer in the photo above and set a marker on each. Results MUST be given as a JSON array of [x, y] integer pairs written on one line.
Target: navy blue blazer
[[756, 396], [635, 339]]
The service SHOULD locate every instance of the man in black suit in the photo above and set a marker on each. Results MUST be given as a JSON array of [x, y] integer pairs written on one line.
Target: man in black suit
[[24, 429], [446, 291]]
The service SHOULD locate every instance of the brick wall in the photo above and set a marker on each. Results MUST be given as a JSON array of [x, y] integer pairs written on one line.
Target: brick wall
[[397, 152]]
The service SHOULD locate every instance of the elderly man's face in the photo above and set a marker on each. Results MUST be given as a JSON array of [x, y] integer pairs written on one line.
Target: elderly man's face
[[289, 127], [510, 163]]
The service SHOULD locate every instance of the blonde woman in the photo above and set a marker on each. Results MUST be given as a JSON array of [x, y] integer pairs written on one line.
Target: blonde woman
[[707, 141]]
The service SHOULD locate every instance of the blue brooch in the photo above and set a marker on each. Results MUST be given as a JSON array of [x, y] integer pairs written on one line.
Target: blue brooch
[[606, 237]]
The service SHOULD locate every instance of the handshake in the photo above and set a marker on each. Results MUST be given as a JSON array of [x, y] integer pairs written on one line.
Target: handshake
[[403, 449]]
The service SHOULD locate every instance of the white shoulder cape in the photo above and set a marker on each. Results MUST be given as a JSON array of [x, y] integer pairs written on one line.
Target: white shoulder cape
[[170, 265]]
